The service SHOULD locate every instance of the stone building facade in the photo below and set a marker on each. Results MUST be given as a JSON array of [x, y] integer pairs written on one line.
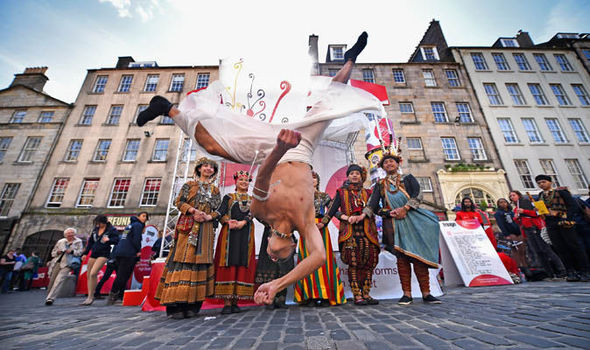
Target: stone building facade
[[31, 122], [434, 109], [104, 163], [537, 105]]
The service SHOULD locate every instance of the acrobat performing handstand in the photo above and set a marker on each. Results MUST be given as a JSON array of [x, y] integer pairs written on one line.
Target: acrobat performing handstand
[[283, 191]]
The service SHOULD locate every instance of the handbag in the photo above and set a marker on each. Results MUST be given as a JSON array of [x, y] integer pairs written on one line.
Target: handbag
[[29, 265], [73, 262]]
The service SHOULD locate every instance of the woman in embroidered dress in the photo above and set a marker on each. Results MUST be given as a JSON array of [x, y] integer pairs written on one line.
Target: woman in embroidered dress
[[188, 277], [409, 232], [357, 238], [323, 287], [235, 258]]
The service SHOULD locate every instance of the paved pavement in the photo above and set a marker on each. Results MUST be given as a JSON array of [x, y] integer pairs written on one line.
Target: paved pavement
[[528, 316]]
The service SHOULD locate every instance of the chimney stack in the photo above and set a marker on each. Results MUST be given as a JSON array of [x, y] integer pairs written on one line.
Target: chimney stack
[[313, 53], [33, 77]]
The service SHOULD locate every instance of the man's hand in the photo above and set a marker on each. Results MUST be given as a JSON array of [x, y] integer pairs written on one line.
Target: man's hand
[[266, 293], [288, 139]]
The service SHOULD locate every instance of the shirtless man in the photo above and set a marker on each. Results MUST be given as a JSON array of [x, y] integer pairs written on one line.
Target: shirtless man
[[283, 191]]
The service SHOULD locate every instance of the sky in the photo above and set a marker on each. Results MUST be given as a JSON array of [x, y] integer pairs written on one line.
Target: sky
[[70, 36]]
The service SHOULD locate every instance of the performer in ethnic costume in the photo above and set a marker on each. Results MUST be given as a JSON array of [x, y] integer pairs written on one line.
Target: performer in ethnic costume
[[357, 238], [188, 277], [323, 287], [235, 258], [411, 233], [269, 269], [561, 229]]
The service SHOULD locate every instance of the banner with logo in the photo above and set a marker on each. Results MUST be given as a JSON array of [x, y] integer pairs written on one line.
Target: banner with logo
[[468, 256]]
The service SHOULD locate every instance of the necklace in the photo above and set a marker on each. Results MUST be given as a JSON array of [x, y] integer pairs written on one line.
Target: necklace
[[244, 201]]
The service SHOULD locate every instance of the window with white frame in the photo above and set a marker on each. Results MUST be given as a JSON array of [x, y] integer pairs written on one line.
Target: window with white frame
[[202, 80], [532, 130], [102, 150], [73, 150], [151, 82], [18, 117], [476, 148], [425, 184], [414, 143], [509, 43], [406, 107], [521, 61], [45, 117], [337, 53], [542, 62], [88, 192], [515, 94], [125, 83], [500, 61], [550, 170], [4, 144], [185, 150], [582, 94], [479, 61], [368, 76], [57, 192], [7, 197], [131, 149], [556, 131], [398, 75], [450, 150], [452, 78], [524, 172], [100, 83], [151, 190], [579, 130], [31, 146], [87, 115], [493, 94], [573, 165], [538, 94], [332, 72], [563, 63], [439, 112], [464, 112], [160, 150], [507, 130], [119, 193], [429, 53], [177, 82], [114, 115], [140, 108], [560, 95], [429, 79]]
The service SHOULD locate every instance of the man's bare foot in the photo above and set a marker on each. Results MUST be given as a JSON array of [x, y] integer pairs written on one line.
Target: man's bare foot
[[288, 139]]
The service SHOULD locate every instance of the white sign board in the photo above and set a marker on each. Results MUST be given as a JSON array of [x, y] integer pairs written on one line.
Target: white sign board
[[468, 256]]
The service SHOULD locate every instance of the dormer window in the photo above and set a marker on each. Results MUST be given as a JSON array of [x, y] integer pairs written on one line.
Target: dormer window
[[337, 52], [567, 36], [509, 43], [429, 53]]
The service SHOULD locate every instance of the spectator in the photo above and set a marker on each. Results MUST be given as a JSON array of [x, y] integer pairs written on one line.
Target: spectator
[[59, 269], [510, 230], [582, 219], [103, 237], [30, 269], [17, 281], [126, 253], [158, 244], [470, 212], [7, 263], [560, 226], [531, 224], [111, 267]]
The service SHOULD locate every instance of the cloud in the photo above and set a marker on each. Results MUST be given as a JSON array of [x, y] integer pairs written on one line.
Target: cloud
[[131, 8]]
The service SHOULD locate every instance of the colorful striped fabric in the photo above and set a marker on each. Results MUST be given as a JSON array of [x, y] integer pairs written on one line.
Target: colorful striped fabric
[[325, 282]]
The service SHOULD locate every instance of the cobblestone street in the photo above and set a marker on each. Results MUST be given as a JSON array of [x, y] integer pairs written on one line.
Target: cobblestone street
[[531, 315]]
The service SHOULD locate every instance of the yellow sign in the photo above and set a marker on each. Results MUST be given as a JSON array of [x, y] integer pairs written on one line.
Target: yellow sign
[[120, 222], [541, 207]]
